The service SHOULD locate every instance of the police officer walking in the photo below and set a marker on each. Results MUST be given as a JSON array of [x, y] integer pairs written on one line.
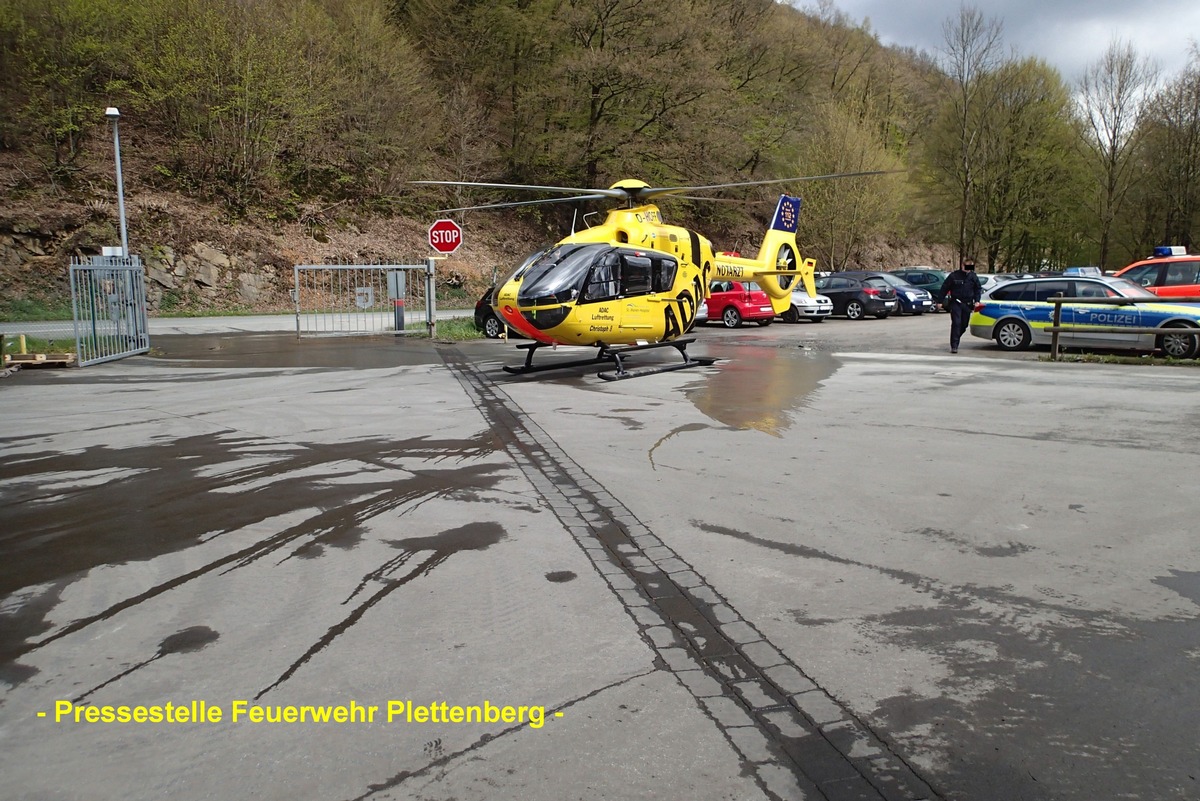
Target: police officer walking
[[962, 291]]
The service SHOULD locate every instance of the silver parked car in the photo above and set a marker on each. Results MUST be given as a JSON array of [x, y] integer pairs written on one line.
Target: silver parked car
[[806, 307]]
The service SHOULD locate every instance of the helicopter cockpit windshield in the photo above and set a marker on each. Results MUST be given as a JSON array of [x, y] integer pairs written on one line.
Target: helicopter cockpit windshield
[[558, 276], [591, 273]]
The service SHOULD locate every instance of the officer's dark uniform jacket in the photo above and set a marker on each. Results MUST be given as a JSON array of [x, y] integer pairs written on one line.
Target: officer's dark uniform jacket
[[963, 286]]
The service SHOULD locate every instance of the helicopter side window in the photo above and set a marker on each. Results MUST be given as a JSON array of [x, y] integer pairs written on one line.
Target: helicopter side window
[[604, 279], [635, 275], [664, 274]]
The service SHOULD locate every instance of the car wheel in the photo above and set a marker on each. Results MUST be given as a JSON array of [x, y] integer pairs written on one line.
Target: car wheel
[[791, 315], [765, 323], [730, 317], [854, 310], [492, 327], [1012, 335], [1179, 346]]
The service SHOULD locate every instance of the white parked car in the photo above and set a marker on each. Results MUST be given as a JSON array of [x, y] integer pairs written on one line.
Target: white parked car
[[702, 313], [988, 281], [805, 307]]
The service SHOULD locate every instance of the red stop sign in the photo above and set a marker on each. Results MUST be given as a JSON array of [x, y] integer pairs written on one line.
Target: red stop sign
[[445, 236]]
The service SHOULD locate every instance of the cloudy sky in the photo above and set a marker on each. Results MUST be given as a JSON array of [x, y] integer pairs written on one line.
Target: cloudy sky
[[1068, 34]]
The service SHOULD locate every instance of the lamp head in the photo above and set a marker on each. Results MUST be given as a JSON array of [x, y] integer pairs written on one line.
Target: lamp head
[[112, 113]]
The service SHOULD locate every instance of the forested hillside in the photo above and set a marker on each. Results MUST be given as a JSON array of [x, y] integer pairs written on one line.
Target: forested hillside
[[293, 122]]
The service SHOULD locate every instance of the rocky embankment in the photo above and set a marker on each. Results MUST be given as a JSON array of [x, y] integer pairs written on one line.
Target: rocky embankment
[[195, 264]]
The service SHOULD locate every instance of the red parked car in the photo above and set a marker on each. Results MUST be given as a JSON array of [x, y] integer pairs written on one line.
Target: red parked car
[[731, 302]]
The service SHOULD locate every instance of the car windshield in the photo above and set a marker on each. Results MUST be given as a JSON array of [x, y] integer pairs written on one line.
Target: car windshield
[[1129, 289]]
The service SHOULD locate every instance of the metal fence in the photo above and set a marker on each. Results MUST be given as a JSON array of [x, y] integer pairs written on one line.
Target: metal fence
[[60, 334], [108, 301], [344, 299]]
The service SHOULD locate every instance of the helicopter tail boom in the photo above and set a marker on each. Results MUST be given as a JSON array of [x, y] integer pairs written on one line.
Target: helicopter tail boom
[[778, 265]]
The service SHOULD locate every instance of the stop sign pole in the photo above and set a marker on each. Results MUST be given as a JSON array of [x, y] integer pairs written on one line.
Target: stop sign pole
[[445, 236]]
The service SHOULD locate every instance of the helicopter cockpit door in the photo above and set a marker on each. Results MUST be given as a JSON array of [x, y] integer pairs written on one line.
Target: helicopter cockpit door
[[603, 280], [638, 312]]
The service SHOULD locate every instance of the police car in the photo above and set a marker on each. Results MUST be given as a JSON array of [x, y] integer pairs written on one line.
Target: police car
[[1017, 313]]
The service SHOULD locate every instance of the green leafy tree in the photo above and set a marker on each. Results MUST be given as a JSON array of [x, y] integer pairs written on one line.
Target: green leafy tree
[[1172, 160], [1029, 175], [841, 215], [61, 57]]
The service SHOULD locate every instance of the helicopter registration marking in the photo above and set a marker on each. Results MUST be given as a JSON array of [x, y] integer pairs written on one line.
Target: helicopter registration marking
[[648, 216]]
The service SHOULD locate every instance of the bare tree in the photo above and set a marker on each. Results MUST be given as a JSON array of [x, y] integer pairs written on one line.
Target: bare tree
[[972, 52], [1113, 94], [1174, 155]]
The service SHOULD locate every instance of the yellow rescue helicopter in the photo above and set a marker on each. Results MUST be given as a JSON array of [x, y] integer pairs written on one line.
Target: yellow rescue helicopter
[[635, 282]]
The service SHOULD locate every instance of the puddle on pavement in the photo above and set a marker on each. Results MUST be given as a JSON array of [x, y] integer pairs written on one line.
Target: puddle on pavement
[[761, 387], [1185, 583], [287, 350]]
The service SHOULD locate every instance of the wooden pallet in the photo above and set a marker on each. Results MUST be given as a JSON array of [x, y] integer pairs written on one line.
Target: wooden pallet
[[31, 359]]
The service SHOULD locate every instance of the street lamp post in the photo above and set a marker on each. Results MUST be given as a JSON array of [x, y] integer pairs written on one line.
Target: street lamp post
[[113, 114]]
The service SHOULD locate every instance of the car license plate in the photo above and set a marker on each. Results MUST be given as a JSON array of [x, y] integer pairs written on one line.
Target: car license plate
[[765, 308]]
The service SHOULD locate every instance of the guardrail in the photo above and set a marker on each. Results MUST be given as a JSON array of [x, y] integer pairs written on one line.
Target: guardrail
[[1057, 326]]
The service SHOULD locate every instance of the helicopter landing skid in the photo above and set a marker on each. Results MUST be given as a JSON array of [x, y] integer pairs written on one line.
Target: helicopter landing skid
[[616, 355]]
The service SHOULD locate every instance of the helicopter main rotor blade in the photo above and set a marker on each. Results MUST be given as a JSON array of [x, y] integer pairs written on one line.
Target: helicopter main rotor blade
[[640, 193], [652, 192], [739, 201], [527, 203], [592, 194]]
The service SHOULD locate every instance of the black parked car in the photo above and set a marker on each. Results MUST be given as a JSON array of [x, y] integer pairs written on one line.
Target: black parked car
[[485, 316], [856, 295], [486, 319]]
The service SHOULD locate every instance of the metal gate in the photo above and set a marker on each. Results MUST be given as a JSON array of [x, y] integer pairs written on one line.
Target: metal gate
[[341, 299], [108, 302]]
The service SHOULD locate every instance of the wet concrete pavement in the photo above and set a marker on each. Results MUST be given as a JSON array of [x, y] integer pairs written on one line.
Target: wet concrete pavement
[[808, 572]]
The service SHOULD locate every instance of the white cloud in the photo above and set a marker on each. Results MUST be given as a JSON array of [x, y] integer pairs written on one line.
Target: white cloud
[[1067, 34]]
